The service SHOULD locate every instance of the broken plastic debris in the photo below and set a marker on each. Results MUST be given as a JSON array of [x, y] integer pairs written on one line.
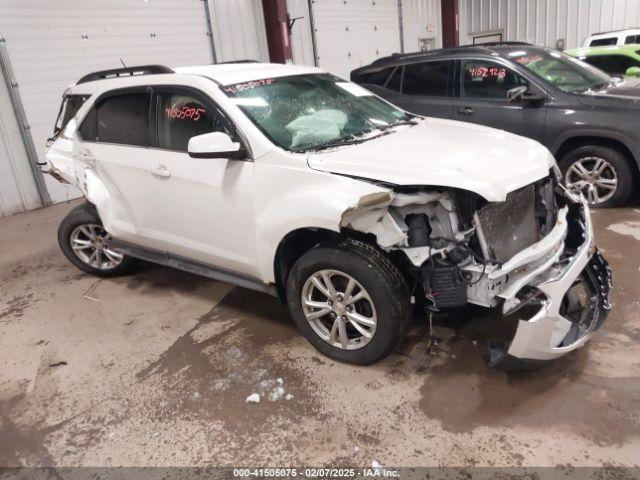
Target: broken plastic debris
[[288, 396], [279, 381], [376, 464], [276, 394], [253, 398]]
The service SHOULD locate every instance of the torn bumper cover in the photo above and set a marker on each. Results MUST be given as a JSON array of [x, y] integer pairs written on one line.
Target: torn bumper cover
[[548, 274]]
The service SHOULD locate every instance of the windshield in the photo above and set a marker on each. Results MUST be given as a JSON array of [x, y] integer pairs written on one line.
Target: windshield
[[567, 73], [311, 112]]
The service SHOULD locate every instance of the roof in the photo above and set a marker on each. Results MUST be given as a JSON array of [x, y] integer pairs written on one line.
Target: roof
[[230, 73], [486, 49], [616, 32], [630, 50]]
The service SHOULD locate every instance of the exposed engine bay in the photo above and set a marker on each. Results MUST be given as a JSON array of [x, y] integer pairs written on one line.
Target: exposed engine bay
[[462, 249]]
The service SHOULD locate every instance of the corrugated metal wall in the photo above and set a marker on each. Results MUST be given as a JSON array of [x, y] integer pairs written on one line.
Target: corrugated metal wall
[[421, 19], [18, 190], [301, 39], [545, 21], [238, 30]]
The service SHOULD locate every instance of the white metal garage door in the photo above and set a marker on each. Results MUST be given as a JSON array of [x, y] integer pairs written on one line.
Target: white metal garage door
[[352, 33], [52, 44]]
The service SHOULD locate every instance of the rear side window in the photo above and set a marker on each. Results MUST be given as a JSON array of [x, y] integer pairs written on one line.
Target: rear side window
[[612, 64], [182, 116], [631, 39], [68, 109], [376, 77], [122, 119], [426, 78], [601, 42]]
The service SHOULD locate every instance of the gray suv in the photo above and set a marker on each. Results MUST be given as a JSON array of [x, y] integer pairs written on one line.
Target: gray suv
[[587, 119]]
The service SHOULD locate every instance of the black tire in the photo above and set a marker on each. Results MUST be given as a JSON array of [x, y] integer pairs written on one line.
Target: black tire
[[379, 277], [86, 214], [616, 159]]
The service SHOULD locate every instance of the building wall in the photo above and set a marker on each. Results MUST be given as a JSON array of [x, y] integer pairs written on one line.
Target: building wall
[[18, 190], [421, 19], [238, 30], [545, 21]]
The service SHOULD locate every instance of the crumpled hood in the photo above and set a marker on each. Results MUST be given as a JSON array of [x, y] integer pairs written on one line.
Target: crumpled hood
[[445, 153], [624, 95]]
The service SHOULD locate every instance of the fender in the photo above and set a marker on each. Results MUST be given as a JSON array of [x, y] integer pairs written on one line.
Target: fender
[[319, 201], [601, 133]]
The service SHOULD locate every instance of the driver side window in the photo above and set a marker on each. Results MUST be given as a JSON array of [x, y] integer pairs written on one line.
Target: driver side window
[[182, 115], [487, 79]]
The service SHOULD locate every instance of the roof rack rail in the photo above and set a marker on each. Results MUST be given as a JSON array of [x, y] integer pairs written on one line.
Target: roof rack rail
[[125, 72], [497, 44], [614, 31], [246, 60]]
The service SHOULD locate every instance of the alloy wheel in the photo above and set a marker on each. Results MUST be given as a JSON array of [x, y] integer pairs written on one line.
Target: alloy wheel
[[339, 309], [594, 177], [88, 244]]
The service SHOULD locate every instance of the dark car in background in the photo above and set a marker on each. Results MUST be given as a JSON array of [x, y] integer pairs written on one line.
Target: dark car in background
[[587, 119]]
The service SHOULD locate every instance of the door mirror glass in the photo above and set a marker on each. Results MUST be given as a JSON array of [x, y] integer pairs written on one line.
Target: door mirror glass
[[214, 145], [633, 72]]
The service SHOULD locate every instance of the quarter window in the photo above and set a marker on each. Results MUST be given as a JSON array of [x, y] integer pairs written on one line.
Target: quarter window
[[426, 78], [377, 77], [631, 39], [487, 79], [612, 64], [182, 116], [602, 42], [122, 119]]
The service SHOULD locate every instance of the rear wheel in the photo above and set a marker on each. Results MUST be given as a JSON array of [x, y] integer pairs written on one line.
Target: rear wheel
[[601, 174], [83, 240], [349, 301]]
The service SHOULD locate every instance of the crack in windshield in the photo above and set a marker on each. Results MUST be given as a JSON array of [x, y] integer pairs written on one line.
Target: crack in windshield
[[312, 112]]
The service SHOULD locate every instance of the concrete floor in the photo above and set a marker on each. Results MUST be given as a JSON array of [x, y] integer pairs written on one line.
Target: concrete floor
[[156, 368]]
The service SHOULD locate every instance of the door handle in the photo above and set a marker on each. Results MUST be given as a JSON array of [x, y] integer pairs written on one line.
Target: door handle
[[466, 111], [161, 172]]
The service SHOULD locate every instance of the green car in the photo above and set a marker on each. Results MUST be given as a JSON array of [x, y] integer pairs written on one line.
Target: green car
[[615, 60]]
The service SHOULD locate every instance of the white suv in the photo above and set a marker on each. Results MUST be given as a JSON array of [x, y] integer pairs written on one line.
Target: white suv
[[291, 181]]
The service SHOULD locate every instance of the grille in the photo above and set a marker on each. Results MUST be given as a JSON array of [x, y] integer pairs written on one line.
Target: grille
[[510, 226]]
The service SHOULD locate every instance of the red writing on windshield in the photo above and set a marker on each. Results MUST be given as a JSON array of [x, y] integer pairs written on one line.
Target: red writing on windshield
[[528, 60], [191, 113], [239, 87], [486, 72]]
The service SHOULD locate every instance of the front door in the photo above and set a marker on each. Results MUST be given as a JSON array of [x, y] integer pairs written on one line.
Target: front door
[[481, 97], [204, 207]]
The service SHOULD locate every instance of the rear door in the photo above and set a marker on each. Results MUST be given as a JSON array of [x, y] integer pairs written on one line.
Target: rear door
[[481, 97], [423, 87], [114, 141]]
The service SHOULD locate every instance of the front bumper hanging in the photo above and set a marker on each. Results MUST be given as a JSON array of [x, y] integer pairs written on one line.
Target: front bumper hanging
[[562, 324]]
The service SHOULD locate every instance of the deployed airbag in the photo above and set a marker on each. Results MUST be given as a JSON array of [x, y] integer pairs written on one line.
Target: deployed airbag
[[316, 128]]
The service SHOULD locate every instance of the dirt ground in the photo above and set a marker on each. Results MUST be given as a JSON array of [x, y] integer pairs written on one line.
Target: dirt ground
[[154, 369]]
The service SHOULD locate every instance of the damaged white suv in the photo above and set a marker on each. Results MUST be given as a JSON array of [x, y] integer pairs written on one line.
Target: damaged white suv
[[294, 182]]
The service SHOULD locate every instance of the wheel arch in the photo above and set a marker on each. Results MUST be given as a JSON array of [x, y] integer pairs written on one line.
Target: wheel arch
[[570, 142]]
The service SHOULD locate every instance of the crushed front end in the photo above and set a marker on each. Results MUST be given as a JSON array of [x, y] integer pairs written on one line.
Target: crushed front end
[[535, 249]]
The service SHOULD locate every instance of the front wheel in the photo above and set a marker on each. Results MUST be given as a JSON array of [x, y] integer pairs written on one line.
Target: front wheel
[[350, 301], [601, 174]]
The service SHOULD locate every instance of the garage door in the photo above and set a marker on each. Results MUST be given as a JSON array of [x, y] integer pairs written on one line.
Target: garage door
[[52, 44], [352, 33]]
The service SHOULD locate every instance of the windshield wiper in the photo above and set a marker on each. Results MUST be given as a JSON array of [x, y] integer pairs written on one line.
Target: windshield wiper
[[397, 124]]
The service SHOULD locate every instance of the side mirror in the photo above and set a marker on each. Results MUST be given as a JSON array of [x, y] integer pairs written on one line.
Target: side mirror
[[633, 72], [214, 145], [524, 94]]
